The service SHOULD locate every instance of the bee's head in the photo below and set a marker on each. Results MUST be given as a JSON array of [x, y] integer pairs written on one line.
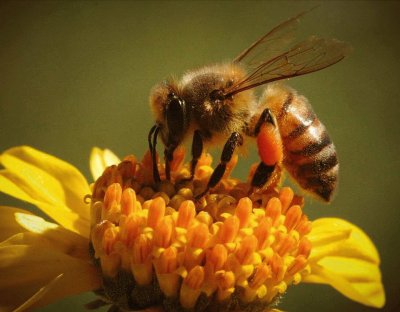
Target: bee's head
[[171, 113]]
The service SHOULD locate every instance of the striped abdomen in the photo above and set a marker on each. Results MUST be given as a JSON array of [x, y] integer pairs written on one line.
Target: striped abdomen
[[310, 156]]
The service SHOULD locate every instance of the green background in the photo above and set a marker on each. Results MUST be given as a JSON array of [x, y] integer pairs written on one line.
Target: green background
[[77, 74]]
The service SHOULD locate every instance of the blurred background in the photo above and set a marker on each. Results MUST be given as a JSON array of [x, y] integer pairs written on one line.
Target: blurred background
[[78, 74]]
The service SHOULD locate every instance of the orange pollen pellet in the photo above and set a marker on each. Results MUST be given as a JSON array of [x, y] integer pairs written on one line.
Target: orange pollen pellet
[[244, 253], [113, 195], [217, 257], [298, 264], [304, 247], [286, 196], [269, 144], [168, 261], [198, 236], [273, 209], [293, 217], [195, 277], [243, 211], [163, 233], [229, 229], [156, 212], [262, 272], [128, 202], [141, 249], [186, 214]]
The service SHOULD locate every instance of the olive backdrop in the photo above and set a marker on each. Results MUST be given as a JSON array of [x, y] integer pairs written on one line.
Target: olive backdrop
[[77, 74]]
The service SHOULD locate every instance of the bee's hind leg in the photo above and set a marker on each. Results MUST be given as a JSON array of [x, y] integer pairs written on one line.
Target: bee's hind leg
[[262, 174], [234, 140], [269, 148]]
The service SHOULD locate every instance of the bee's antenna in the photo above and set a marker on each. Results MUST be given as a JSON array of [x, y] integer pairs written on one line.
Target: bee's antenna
[[152, 147], [149, 138]]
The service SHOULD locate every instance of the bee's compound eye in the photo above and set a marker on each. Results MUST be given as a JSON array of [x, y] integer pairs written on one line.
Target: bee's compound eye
[[175, 115]]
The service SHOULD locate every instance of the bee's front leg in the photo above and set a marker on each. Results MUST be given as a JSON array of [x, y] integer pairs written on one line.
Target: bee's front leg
[[270, 149], [234, 140]]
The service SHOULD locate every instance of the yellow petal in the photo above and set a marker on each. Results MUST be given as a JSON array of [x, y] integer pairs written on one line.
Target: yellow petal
[[54, 180], [26, 269], [355, 279], [34, 230], [38, 295], [58, 211], [8, 225], [344, 257], [337, 237], [100, 159]]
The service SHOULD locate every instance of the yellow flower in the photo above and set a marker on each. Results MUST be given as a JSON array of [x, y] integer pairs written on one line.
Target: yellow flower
[[159, 247]]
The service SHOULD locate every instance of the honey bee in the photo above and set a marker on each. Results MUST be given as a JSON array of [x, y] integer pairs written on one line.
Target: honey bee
[[217, 105]]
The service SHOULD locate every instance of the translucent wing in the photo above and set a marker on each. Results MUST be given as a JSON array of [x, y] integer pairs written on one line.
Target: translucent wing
[[272, 43], [308, 56], [274, 56]]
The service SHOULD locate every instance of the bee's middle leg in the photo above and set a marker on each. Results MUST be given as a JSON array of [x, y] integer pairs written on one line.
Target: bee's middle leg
[[234, 140], [197, 149], [269, 148]]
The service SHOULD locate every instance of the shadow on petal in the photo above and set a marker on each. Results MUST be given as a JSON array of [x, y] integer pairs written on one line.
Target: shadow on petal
[[29, 268]]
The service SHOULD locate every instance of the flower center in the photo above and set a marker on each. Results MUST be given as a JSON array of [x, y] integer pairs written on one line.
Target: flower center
[[160, 247]]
